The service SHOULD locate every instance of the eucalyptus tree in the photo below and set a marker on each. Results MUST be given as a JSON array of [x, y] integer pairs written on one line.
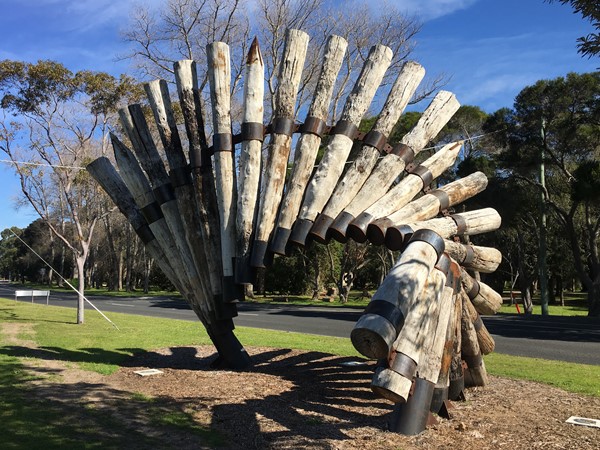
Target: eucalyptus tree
[[53, 123], [560, 119]]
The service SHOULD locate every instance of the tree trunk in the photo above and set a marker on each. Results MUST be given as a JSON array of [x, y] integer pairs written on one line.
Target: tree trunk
[[80, 261], [594, 298]]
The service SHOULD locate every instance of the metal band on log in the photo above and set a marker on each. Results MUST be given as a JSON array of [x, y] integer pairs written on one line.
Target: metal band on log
[[309, 142], [402, 91], [294, 54], [331, 166], [391, 166], [373, 334], [402, 193]]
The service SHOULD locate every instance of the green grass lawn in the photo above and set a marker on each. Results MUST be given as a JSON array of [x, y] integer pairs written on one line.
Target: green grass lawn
[[31, 420]]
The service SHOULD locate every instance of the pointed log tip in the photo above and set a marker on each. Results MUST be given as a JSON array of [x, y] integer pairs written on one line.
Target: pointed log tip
[[254, 54]]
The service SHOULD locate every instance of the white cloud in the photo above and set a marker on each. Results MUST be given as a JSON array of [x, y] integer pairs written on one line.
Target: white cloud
[[432, 9]]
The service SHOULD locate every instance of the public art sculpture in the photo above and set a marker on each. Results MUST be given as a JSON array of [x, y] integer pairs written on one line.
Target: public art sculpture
[[210, 221]]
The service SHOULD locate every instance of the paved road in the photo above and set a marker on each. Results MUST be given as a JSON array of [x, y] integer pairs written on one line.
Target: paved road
[[571, 339]]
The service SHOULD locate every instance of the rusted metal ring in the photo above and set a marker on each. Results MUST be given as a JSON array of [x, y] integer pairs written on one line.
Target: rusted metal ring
[[404, 365], [164, 193], [432, 238], [474, 291], [443, 263], [152, 212], [388, 311], [346, 128], [461, 223], [145, 234], [252, 131], [180, 176], [283, 125], [470, 256], [424, 174], [404, 152], [222, 142], [453, 277], [375, 139], [442, 197], [313, 125]]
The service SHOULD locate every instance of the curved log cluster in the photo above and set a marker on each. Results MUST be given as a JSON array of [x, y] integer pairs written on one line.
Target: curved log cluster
[[210, 220]]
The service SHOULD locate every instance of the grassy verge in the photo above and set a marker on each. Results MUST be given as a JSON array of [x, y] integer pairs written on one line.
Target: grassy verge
[[97, 346]]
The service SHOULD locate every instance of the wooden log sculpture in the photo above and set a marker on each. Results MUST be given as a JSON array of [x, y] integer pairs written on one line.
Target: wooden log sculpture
[[210, 218]]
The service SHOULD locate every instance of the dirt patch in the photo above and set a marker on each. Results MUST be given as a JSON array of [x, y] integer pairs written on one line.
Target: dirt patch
[[297, 399]]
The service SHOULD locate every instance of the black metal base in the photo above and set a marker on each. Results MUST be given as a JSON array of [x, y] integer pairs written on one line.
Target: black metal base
[[456, 389], [259, 254], [318, 232], [224, 311], [377, 229], [397, 237], [300, 232], [411, 418], [232, 292], [279, 242], [338, 229], [243, 273], [440, 395], [357, 229]]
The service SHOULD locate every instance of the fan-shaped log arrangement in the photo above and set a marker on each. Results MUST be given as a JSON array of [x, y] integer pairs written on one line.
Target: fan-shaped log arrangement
[[210, 221]]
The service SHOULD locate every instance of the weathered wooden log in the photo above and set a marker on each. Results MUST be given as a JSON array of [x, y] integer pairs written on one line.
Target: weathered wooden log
[[181, 180], [485, 300], [475, 257], [429, 205], [475, 373], [394, 381], [141, 190], [250, 161], [390, 167], [486, 341], [134, 123], [378, 327], [331, 166], [309, 142], [402, 193], [201, 169], [219, 77], [456, 385], [294, 54], [105, 174], [433, 346], [468, 223], [372, 148], [441, 390]]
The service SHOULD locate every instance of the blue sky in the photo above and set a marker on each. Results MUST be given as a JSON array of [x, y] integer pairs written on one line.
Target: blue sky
[[491, 49]]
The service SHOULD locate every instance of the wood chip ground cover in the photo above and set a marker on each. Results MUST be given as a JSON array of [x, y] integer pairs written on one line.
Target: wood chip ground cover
[[307, 400]]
